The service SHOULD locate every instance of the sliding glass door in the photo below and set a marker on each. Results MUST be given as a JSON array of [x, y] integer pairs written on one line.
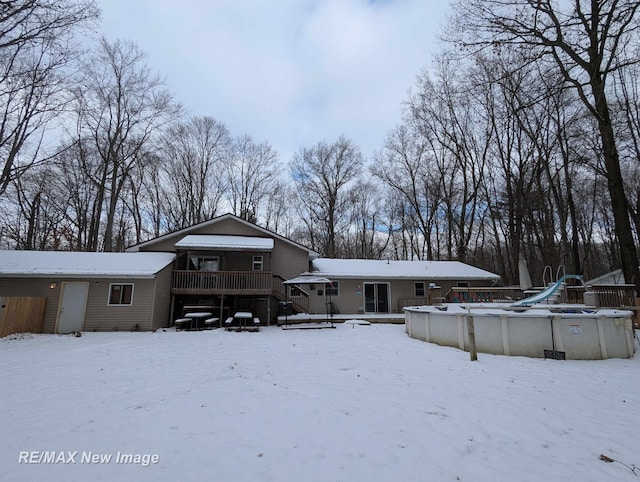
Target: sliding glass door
[[376, 297]]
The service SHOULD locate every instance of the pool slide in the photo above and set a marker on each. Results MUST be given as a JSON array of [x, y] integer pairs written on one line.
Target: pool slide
[[544, 295]]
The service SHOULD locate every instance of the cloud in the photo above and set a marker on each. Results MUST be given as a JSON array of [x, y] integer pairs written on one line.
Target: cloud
[[290, 72]]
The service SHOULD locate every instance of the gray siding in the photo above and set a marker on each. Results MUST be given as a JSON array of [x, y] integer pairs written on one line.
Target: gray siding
[[287, 260], [99, 315], [162, 306], [228, 227], [351, 294], [35, 287]]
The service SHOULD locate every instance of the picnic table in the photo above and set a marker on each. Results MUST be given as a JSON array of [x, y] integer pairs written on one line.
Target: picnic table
[[197, 318], [240, 319]]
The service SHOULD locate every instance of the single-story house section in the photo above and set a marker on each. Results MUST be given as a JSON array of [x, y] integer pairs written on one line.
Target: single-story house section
[[92, 291], [386, 286]]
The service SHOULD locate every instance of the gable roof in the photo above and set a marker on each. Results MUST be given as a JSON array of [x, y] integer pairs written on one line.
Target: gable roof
[[392, 269], [70, 264], [186, 231]]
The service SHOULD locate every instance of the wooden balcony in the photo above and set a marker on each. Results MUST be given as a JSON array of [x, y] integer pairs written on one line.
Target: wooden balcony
[[259, 283], [222, 283]]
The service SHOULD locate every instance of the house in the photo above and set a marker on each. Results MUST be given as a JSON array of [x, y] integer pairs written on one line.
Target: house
[[227, 264], [386, 286], [91, 291], [221, 266]]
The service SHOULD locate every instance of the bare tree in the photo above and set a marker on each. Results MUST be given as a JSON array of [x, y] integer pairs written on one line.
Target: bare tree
[[77, 165], [252, 173], [369, 232], [458, 136], [588, 42], [195, 155], [627, 92], [122, 107], [36, 45], [41, 203], [405, 165], [322, 174], [278, 208]]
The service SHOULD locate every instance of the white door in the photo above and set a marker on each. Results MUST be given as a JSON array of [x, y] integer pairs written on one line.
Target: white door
[[72, 307]]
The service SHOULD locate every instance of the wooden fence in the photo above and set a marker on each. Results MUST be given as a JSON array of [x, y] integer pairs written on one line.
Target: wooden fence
[[21, 314]]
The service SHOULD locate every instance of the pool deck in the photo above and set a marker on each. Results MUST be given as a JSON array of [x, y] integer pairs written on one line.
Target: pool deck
[[394, 318]]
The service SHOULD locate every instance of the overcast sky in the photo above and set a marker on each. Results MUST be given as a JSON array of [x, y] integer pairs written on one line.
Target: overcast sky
[[291, 72]]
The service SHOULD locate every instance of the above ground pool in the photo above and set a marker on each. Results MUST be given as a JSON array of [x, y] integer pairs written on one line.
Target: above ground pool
[[579, 334]]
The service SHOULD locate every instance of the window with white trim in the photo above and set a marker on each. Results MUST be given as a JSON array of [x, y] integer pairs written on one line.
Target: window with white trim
[[419, 289], [121, 294], [333, 289], [258, 263]]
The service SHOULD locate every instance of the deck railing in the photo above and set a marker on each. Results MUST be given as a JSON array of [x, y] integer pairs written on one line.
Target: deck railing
[[222, 282], [298, 297], [483, 295], [237, 283], [614, 296], [571, 294]]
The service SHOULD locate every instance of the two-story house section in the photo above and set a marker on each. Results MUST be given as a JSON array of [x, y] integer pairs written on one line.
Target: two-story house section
[[226, 265]]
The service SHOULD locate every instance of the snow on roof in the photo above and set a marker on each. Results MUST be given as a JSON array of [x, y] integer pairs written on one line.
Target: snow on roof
[[367, 268], [307, 278], [81, 264], [212, 222], [220, 241]]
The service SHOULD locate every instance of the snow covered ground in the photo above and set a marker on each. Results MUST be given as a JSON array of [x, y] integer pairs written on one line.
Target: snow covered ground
[[362, 403]]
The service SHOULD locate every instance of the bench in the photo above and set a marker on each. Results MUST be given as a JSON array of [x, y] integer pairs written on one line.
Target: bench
[[180, 323], [209, 322]]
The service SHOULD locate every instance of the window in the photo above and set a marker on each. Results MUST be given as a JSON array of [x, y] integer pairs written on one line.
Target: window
[[333, 289], [258, 263], [120, 294], [203, 263], [295, 292], [419, 289]]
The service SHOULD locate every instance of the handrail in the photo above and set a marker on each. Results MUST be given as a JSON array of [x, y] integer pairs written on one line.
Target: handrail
[[282, 279], [544, 276], [300, 303], [221, 282]]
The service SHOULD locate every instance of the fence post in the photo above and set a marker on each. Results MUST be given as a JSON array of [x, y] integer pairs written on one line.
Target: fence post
[[473, 354]]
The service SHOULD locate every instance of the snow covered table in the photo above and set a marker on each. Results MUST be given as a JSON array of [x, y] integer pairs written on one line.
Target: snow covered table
[[198, 316]]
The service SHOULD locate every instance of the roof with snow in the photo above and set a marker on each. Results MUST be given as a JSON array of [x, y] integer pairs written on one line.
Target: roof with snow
[[388, 269], [211, 222], [70, 264], [229, 243]]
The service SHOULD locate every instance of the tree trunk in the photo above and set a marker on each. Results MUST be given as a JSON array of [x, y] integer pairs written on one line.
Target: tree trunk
[[619, 203]]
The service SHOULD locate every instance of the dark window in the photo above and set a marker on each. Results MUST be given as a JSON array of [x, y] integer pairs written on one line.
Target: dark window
[[419, 289], [333, 289], [120, 294], [204, 263]]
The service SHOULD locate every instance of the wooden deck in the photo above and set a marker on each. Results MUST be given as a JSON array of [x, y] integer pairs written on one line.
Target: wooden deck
[[236, 283], [222, 283]]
